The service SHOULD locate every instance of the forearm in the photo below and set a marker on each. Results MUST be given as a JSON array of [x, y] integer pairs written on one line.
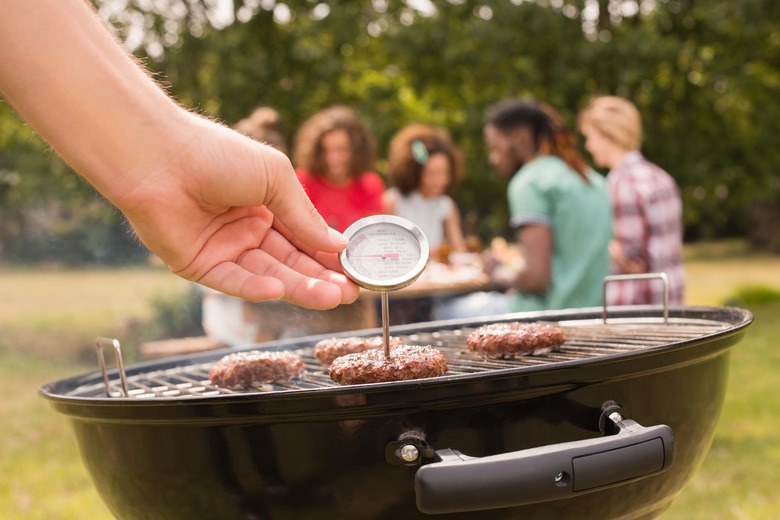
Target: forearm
[[535, 274], [65, 74], [522, 279]]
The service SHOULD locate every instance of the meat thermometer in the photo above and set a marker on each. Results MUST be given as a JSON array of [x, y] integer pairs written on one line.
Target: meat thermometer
[[384, 253]]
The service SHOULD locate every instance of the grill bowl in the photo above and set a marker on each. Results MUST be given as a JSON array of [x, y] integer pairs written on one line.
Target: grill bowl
[[314, 449]]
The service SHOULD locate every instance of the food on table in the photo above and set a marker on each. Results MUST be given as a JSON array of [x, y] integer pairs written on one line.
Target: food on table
[[372, 366], [256, 367], [510, 339], [327, 350]]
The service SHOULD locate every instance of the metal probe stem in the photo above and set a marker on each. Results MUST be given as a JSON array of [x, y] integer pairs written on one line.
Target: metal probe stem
[[386, 323]]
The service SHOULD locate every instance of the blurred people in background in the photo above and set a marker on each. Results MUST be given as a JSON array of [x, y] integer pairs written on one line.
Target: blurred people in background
[[335, 156], [263, 125], [646, 202], [558, 205], [560, 209], [424, 165]]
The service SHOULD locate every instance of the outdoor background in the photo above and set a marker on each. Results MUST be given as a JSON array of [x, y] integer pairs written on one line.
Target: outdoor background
[[704, 73]]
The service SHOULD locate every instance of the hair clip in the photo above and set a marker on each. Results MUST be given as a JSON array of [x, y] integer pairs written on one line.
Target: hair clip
[[419, 152]]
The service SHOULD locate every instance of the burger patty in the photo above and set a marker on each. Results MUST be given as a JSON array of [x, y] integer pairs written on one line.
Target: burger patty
[[372, 366], [245, 369], [510, 339], [327, 350]]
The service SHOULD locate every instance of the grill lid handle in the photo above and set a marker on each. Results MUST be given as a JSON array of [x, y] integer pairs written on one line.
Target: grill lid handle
[[642, 276], [460, 483], [99, 344]]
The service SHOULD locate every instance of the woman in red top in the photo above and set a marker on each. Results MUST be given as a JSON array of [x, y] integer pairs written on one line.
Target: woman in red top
[[335, 156]]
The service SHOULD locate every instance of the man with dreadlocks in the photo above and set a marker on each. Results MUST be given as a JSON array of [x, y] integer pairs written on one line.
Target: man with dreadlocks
[[559, 206]]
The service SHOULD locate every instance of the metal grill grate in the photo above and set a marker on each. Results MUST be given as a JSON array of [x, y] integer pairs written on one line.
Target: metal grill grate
[[585, 339]]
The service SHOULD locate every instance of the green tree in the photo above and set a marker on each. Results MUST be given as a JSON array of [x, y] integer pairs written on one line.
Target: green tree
[[704, 73]]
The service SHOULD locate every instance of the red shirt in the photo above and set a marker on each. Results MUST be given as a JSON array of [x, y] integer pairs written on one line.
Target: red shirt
[[342, 204]]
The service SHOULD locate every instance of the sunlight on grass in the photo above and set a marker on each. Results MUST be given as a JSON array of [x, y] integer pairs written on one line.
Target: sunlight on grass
[[714, 272], [53, 312], [52, 299]]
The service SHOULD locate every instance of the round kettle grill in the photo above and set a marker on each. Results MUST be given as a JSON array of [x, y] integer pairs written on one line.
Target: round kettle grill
[[610, 426]]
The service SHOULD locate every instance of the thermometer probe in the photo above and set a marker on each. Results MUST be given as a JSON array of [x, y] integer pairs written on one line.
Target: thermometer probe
[[385, 253]]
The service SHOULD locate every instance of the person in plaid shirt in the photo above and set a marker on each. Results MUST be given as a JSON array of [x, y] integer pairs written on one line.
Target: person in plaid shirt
[[647, 222]]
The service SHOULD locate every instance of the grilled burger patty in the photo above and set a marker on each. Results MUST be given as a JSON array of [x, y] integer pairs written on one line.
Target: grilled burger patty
[[245, 369], [327, 350], [510, 339], [371, 366]]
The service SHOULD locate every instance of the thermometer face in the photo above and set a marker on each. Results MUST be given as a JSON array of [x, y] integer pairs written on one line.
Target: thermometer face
[[384, 253]]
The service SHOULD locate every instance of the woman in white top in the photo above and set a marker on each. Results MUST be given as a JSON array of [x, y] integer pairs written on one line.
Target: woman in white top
[[424, 165]]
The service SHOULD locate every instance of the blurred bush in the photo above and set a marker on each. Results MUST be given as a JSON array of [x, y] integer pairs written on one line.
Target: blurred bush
[[754, 295]]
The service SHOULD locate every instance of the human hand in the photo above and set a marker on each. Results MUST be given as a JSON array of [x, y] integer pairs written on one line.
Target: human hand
[[624, 263], [228, 212], [218, 208]]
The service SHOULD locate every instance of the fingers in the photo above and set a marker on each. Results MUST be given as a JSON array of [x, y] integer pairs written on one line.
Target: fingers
[[295, 267], [329, 260], [287, 200], [263, 176], [234, 280], [260, 277], [257, 235], [277, 269]]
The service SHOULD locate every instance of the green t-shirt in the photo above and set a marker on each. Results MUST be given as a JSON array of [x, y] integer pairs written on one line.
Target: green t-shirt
[[547, 192]]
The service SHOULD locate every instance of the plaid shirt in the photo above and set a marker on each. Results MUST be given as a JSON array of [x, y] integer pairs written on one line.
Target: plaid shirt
[[648, 225]]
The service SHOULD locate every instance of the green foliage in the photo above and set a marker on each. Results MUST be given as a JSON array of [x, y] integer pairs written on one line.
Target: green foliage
[[703, 73], [47, 213], [754, 295], [176, 316]]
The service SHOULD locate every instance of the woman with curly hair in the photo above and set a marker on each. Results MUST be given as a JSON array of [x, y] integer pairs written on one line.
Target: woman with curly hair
[[424, 164], [335, 157]]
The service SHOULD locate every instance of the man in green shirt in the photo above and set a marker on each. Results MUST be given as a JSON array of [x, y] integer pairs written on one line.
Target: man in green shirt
[[559, 206]]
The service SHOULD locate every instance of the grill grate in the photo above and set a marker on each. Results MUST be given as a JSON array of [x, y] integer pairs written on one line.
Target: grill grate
[[585, 339]]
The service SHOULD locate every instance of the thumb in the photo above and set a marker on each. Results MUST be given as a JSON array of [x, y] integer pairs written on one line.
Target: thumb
[[262, 175], [287, 200]]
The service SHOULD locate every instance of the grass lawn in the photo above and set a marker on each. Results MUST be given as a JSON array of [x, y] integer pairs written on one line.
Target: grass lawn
[[49, 319], [739, 478]]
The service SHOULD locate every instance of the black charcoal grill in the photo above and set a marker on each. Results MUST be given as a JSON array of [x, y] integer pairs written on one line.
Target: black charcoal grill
[[610, 426]]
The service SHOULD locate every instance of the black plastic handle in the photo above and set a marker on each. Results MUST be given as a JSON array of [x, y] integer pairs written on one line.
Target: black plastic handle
[[460, 483]]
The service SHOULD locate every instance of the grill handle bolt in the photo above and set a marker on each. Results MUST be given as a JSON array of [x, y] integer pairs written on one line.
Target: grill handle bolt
[[561, 479], [409, 452], [611, 416]]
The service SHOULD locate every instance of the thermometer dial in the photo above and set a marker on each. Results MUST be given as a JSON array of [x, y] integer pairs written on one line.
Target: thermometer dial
[[385, 252]]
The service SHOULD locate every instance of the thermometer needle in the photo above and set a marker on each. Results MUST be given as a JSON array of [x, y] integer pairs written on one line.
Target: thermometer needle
[[388, 255]]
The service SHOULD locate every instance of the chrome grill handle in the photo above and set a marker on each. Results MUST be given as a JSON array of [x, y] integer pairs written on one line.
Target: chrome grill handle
[[99, 344], [643, 276]]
